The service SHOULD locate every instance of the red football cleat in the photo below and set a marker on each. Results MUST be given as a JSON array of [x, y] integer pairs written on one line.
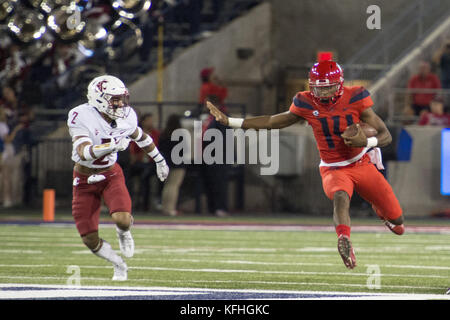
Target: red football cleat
[[346, 251], [397, 229]]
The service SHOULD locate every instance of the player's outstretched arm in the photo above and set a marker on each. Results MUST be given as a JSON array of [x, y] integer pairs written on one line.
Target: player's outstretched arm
[[145, 142], [276, 121]]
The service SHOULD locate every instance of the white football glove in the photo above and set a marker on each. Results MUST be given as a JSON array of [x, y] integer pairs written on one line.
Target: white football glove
[[122, 144], [162, 170]]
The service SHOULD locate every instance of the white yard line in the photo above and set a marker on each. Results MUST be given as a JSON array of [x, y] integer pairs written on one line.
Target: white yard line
[[295, 263]]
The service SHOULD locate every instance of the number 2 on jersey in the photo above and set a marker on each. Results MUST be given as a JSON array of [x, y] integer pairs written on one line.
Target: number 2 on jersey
[[75, 115]]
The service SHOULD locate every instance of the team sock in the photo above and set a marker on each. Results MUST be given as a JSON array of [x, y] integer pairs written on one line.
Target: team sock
[[343, 229], [106, 252]]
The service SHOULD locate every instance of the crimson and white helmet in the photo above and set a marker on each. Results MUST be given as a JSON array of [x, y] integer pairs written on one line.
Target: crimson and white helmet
[[109, 95]]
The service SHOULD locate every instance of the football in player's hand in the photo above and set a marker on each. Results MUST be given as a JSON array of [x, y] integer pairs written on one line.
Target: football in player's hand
[[352, 130]]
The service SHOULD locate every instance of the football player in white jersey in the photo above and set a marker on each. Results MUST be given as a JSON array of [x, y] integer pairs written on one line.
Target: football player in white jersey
[[99, 129]]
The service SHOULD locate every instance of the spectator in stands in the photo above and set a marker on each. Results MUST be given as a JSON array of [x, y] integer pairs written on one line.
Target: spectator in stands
[[436, 116], [212, 86], [416, 103], [12, 106], [14, 156], [64, 57], [14, 67], [99, 12], [176, 175], [142, 166], [442, 59], [4, 130]]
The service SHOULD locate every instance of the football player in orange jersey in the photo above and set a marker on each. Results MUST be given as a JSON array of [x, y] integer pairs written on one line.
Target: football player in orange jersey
[[345, 166]]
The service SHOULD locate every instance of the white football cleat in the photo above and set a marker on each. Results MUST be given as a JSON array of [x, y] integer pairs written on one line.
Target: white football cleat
[[126, 242], [120, 272]]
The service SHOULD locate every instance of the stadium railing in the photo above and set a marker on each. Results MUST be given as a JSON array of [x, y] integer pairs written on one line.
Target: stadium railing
[[397, 101]]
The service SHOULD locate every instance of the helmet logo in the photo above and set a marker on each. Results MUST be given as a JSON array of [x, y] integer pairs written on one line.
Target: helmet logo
[[100, 85]]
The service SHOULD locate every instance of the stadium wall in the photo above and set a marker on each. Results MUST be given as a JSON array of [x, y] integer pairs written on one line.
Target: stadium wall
[[417, 182], [301, 28]]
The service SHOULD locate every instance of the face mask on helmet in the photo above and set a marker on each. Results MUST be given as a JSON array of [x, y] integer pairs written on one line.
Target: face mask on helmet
[[117, 105], [110, 96], [325, 92]]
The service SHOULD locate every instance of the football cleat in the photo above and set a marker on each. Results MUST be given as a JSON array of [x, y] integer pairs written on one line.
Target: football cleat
[[126, 242], [346, 251], [397, 229], [120, 272]]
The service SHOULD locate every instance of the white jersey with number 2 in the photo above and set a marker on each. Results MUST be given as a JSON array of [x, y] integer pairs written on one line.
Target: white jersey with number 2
[[85, 120]]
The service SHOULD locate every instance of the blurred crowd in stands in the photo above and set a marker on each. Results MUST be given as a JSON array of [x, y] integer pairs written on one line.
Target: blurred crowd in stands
[[431, 108]]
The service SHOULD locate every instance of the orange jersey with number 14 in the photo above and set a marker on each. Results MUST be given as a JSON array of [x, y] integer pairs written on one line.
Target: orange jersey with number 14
[[329, 122]]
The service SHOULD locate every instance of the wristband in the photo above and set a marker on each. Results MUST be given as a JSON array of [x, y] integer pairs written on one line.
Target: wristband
[[145, 143], [372, 142], [235, 122], [157, 157], [87, 153]]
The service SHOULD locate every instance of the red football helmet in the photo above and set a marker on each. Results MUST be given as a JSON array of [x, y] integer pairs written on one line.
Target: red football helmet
[[326, 82]]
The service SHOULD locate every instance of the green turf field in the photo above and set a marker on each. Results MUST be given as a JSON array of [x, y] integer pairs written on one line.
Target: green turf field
[[231, 259]]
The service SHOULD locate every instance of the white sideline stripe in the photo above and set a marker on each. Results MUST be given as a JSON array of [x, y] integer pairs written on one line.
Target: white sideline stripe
[[67, 292], [294, 283], [105, 291], [213, 270]]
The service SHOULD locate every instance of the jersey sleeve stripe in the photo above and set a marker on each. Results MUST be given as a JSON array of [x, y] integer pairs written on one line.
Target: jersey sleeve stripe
[[302, 104], [359, 96]]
